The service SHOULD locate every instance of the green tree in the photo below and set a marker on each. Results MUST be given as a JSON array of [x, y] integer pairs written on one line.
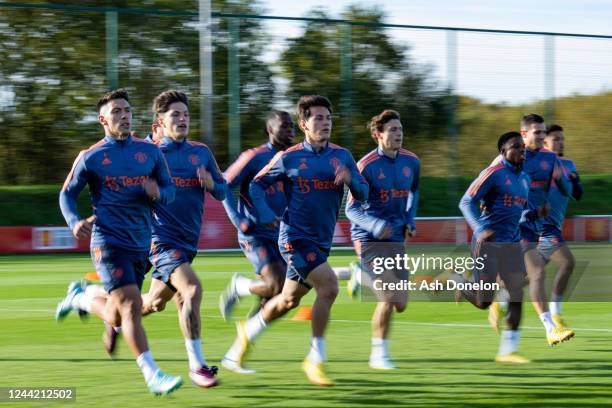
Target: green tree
[[54, 69], [383, 76]]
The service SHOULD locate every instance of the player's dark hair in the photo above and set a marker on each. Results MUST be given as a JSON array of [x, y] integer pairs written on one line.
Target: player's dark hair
[[112, 95], [275, 114], [162, 102], [308, 101], [503, 139], [530, 119], [553, 128], [377, 123]]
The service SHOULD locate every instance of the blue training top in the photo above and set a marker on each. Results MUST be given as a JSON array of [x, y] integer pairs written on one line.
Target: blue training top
[[313, 198], [115, 171], [503, 190], [558, 202], [393, 197], [241, 173], [178, 223]]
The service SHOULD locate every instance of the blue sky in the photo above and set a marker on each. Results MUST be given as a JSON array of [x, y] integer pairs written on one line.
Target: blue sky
[[492, 67]]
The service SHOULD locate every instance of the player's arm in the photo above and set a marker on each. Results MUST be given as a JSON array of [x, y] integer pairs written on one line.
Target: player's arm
[[356, 212], [577, 189], [358, 186], [470, 201], [561, 179], [270, 174], [234, 176], [160, 188], [413, 200], [215, 183], [74, 184]]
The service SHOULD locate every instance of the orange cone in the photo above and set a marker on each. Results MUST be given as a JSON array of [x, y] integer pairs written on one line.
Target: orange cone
[[303, 313], [92, 276]]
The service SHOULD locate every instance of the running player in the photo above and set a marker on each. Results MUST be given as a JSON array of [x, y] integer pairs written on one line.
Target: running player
[[125, 176], [176, 229], [313, 173], [382, 226], [551, 246], [503, 189], [259, 244], [544, 169]]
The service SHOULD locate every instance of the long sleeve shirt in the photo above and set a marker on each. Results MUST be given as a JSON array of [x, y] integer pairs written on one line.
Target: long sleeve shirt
[[313, 198], [115, 171], [502, 191], [240, 174], [558, 202], [179, 223], [393, 196]]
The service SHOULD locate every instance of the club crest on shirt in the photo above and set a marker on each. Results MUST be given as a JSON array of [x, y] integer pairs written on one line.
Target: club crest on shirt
[[335, 163], [381, 175], [106, 160], [406, 171], [544, 165], [140, 157], [303, 165], [194, 159]]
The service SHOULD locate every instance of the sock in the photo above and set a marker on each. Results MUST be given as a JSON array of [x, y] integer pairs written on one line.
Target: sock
[[549, 325], [83, 300], [509, 342], [194, 354], [555, 304], [380, 347], [317, 350], [356, 271], [502, 297], [243, 286], [255, 325], [147, 365]]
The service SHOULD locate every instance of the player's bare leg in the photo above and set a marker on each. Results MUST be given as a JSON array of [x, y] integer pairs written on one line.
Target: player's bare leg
[[247, 332], [381, 326], [564, 260], [269, 284], [536, 272], [188, 287]]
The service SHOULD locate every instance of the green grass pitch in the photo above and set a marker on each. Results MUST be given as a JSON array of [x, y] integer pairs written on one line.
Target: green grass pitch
[[444, 351]]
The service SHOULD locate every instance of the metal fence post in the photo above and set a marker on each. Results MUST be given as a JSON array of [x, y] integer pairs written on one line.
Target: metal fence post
[[206, 72], [346, 79], [549, 78], [112, 78], [233, 85]]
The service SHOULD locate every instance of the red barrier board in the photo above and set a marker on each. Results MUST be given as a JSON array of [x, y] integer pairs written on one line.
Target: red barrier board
[[218, 233]]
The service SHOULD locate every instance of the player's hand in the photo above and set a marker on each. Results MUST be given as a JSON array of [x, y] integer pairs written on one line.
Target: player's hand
[[386, 233], [544, 210], [274, 224], [83, 228], [343, 176], [152, 189], [246, 226], [206, 180], [486, 235]]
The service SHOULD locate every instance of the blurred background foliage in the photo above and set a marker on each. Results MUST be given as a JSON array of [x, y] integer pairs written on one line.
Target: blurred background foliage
[[54, 67]]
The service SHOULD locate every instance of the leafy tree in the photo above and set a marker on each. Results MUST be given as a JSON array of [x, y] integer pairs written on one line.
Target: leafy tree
[[383, 76]]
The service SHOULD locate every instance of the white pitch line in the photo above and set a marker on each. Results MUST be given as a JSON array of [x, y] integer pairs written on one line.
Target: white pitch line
[[400, 322]]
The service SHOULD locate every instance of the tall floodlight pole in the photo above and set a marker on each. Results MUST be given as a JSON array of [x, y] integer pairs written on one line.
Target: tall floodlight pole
[[206, 73]]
